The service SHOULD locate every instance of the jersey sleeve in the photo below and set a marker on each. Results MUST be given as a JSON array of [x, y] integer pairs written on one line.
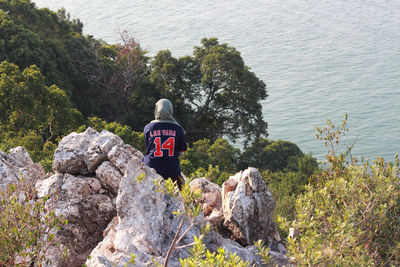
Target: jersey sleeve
[[182, 146], [146, 141]]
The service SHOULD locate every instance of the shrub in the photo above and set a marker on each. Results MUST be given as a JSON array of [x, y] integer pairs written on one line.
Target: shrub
[[203, 257], [350, 214], [270, 155], [287, 185], [350, 220], [26, 228], [216, 161]]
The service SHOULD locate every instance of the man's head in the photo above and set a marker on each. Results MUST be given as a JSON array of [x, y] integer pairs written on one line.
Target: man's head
[[164, 110]]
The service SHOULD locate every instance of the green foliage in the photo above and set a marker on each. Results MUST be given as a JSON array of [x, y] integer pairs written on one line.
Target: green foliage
[[31, 113], [130, 137], [271, 155], [223, 155], [330, 135], [190, 198], [350, 214], [51, 41], [203, 257], [288, 184], [291, 181], [215, 93], [285, 188], [212, 173], [263, 251], [214, 160], [26, 228], [141, 177], [132, 260], [47, 155]]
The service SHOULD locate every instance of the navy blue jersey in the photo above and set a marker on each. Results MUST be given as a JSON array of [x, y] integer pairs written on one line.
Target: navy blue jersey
[[164, 141]]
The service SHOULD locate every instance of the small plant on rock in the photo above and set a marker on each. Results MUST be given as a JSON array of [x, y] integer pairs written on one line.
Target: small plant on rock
[[26, 228]]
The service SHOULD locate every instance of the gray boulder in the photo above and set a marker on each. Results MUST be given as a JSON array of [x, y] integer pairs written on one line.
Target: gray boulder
[[18, 165], [114, 209], [82, 153], [76, 199], [248, 207], [243, 212]]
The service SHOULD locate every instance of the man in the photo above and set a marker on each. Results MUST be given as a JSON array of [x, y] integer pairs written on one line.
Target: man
[[165, 141]]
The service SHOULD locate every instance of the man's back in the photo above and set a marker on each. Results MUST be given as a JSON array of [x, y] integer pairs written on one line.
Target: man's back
[[164, 141]]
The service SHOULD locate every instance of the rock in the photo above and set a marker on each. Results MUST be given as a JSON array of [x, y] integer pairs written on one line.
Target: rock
[[293, 233], [82, 153], [94, 184], [140, 212], [114, 209], [278, 259], [249, 254], [99, 148], [120, 156], [216, 219], [274, 232], [18, 165], [109, 176], [76, 199], [20, 157], [9, 173], [49, 185], [211, 199], [248, 207], [145, 225]]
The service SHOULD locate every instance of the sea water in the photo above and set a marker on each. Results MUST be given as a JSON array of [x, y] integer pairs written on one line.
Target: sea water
[[319, 58]]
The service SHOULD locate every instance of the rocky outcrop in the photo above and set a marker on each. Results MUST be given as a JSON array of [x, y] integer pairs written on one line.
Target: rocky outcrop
[[145, 225], [78, 200], [82, 153], [243, 211], [211, 201], [88, 168], [18, 165], [114, 209]]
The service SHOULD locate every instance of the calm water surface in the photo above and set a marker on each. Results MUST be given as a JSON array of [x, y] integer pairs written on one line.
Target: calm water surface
[[319, 58]]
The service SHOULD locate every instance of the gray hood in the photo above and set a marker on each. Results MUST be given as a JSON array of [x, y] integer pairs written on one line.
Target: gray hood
[[163, 111]]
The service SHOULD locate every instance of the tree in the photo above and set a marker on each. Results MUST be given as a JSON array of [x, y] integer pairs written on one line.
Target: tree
[[214, 160], [272, 155], [215, 93], [51, 41], [120, 74], [32, 113]]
